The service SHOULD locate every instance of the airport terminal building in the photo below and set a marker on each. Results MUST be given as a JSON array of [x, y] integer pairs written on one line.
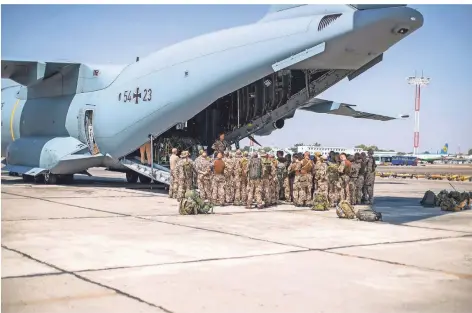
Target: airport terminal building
[[326, 150]]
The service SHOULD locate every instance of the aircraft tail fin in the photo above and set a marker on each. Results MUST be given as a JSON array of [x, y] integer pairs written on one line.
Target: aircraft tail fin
[[444, 149]]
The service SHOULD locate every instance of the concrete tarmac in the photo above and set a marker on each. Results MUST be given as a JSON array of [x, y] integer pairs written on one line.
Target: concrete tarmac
[[101, 245]]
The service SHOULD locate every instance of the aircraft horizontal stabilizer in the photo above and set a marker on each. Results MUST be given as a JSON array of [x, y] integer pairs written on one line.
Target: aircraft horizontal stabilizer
[[329, 107], [27, 73]]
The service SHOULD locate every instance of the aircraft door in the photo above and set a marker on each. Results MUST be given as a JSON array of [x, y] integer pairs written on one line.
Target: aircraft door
[[88, 132]]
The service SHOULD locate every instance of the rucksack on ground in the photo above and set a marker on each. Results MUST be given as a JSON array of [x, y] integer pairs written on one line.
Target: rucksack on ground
[[320, 202], [368, 215], [429, 199], [255, 168], [345, 210], [193, 204]]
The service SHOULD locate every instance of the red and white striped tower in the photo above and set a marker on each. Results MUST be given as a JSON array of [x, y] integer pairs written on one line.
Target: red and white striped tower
[[418, 82]]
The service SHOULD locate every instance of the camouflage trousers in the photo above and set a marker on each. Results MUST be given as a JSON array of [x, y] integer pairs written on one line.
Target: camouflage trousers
[[359, 189], [334, 192], [218, 189], [287, 189], [322, 187], [353, 190], [310, 187], [173, 186], [240, 195], [345, 192], [182, 186], [274, 190], [204, 185], [369, 181], [295, 189], [254, 190], [229, 189], [304, 189], [266, 192]]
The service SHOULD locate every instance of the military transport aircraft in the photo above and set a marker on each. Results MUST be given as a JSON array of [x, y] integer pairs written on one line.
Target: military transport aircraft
[[64, 118]]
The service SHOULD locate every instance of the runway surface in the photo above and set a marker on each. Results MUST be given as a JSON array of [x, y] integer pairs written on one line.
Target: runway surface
[[102, 245]]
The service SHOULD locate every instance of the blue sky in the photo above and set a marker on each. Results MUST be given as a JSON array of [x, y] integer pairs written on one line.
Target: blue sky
[[117, 34]]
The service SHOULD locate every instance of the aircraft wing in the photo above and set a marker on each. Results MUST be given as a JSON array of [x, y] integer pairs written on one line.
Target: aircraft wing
[[330, 107], [27, 73]]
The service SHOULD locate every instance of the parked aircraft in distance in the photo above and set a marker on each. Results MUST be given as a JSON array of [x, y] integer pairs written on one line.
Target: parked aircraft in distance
[[430, 158], [64, 118]]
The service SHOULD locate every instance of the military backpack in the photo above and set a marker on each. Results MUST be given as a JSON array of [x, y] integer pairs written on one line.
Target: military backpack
[[368, 215], [345, 210], [193, 204], [266, 168], [281, 171], [429, 199], [255, 168], [320, 202]]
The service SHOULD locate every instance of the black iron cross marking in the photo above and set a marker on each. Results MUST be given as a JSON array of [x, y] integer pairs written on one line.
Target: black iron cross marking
[[137, 95]]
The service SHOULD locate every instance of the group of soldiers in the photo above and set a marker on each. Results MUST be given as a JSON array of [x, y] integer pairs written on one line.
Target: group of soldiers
[[238, 178]]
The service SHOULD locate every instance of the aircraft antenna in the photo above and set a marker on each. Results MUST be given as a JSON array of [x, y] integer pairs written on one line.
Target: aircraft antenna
[[418, 82]]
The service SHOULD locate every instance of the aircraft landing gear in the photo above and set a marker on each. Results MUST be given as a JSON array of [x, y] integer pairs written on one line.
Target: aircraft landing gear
[[132, 177], [50, 179], [66, 179], [144, 179], [27, 178]]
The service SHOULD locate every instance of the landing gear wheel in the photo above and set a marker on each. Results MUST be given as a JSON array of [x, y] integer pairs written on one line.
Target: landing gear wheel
[[39, 179], [144, 179], [50, 179], [132, 177], [27, 178], [66, 179]]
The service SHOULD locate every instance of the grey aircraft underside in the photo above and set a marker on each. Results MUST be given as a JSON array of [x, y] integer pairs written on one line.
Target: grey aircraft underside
[[63, 118]]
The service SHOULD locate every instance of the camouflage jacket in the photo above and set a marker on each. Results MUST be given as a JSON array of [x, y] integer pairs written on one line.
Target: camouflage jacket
[[333, 173], [321, 171], [220, 146], [355, 168], [185, 169]]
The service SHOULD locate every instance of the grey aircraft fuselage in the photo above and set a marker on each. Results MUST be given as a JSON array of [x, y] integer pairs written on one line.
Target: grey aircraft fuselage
[[172, 85]]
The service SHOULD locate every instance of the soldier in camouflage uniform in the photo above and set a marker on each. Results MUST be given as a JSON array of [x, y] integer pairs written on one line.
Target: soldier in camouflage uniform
[[267, 175], [274, 182], [289, 177], [360, 179], [296, 186], [229, 177], [369, 179], [238, 177], [344, 170], [185, 175], [218, 183], [220, 145], [254, 185], [173, 160], [305, 181], [334, 187], [203, 167], [321, 176], [354, 176]]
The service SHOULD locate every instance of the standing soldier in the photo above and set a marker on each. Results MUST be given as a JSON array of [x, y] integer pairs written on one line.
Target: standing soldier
[[173, 180], [238, 177], [296, 187], [218, 183], [203, 168], [273, 182], [354, 176], [288, 181], [321, 176], [220, 145], [344, 170], [360, 179], [369, 179], [229, 177], [266, 177], [304, 181], [254, 184], [185, 173], [281, 175], [333, 182]]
